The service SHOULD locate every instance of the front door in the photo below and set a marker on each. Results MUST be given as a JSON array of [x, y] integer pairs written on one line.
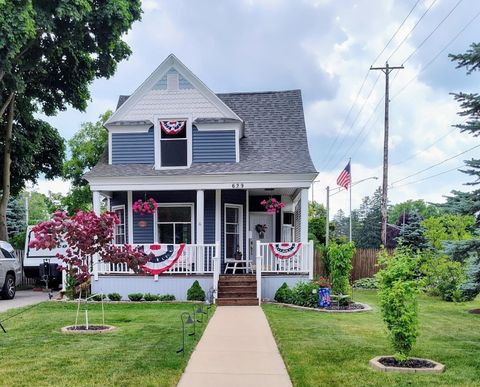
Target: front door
[[262, 228]]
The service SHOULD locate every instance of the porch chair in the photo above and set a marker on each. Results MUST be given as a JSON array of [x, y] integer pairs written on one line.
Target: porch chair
[[232, 263]]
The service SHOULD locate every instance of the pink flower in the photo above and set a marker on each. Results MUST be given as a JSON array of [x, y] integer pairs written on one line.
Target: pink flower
[[273, 200], [263, 202]]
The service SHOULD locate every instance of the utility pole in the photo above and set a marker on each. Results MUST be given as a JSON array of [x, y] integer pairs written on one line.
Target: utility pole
[[384, 200], [327, 228]]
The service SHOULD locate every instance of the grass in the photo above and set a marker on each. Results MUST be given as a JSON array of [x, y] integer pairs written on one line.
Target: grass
[[322, 349], [141, 352]]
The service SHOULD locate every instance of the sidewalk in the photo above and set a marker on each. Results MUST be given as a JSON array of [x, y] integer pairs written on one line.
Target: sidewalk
[[237, 349]]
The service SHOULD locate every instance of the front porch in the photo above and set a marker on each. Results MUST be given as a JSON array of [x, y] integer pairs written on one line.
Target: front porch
[[215, 226]]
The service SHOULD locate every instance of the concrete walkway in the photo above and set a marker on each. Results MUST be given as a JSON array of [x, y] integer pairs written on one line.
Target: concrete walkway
[[237, 349]]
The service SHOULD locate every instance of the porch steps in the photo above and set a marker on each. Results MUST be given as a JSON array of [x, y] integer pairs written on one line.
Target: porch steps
[[237, 290]]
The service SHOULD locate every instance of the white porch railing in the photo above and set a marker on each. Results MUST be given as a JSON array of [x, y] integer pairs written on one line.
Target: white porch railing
[[195, 259], [300, 263], [266, 262]]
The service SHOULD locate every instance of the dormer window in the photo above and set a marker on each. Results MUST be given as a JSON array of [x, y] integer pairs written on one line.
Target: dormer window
[[173, 143]]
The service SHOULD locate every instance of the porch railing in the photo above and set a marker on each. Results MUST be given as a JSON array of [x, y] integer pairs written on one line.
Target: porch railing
[[299, 263], [195, 259]]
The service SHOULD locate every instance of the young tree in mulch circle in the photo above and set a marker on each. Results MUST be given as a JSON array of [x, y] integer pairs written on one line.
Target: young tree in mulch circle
[[398, 288], [338, 260], [87, 235]]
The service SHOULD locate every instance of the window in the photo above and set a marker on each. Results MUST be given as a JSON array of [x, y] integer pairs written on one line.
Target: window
[[119, 232], [173, 143], [233, 229], [6, 254], [174, 224]]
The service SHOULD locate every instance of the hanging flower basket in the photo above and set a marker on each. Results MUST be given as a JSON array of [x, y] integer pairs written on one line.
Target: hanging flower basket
[[145, 206], [272, 205]]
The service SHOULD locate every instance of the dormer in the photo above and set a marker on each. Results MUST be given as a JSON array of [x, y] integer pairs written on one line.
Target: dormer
[[173, 120]]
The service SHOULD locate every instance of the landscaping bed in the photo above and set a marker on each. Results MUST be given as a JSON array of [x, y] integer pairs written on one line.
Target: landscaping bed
[[141, 351], [335, 349], [353, 307]]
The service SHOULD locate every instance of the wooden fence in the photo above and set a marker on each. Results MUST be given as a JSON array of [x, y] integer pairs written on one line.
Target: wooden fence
[[364, 263]]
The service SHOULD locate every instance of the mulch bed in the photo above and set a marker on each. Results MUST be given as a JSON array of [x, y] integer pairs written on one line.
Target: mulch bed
[[410, 363], [474, 311], [90, 328]]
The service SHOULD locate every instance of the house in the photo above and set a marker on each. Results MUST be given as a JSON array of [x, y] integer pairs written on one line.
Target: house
[[206, 166]]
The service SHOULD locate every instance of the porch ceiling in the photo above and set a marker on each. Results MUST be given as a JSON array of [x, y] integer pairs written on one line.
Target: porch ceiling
[[275, 191]]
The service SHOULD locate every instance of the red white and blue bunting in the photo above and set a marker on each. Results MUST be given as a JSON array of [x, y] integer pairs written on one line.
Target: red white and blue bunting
[[284, 250], [162, 257], [172, 127]]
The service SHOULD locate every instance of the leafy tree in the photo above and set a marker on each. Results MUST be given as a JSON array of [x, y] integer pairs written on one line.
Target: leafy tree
[[338, 261], [447, 228], [316, 222], [398, 289], [412, 233], [38, 210], [423, 209], [86, 148], [50, 51]]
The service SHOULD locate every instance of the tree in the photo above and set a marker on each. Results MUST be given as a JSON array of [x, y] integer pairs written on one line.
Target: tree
[[342, 225], [447, 228], [369, 216], [50, 51], [317, 217], [16, 215], [86, 148], [412, 233], [425, 210]]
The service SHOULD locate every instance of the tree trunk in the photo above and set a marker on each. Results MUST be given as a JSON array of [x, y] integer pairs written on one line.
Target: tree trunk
[[7, 159]]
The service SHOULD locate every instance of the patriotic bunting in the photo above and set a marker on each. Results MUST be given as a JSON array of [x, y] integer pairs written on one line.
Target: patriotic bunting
[[162, 257], [284, 250], [172, 127]]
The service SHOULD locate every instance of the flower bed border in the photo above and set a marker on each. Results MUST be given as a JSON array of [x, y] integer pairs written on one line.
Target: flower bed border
[[376, 365], [366, 308]]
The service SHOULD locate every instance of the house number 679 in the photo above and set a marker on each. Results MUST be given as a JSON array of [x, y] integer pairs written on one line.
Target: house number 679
[[237, 185]]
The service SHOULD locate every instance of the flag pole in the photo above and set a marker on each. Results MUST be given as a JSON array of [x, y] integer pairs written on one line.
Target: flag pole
[[350, 225]]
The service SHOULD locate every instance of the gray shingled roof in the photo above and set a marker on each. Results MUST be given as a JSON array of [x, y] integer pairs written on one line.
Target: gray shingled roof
[[275, 140]]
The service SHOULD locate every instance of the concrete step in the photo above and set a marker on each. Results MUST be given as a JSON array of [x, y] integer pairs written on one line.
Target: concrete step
[[237, 301]]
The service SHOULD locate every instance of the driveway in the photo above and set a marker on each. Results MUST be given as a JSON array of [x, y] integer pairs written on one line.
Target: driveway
[[23, 298]]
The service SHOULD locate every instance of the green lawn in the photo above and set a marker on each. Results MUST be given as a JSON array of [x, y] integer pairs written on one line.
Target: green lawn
[[141, 352], [323, 349]]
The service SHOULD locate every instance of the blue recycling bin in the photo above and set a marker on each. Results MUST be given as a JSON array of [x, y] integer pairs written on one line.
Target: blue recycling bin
[[324, 297]]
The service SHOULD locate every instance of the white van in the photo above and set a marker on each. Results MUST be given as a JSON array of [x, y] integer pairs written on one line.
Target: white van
[[33, 259]]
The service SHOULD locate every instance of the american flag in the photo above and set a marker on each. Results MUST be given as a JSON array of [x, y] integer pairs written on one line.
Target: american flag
[[343, 179]]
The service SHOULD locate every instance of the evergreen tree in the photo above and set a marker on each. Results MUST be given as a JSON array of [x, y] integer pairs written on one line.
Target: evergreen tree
[[468, 203], [16, 215], [370, 227], [342, 225], [412, 233]]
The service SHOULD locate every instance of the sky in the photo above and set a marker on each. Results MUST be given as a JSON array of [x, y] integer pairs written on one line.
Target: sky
[[325, 48]]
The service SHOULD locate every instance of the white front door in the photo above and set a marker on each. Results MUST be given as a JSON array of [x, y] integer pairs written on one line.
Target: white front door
[[262, 228]]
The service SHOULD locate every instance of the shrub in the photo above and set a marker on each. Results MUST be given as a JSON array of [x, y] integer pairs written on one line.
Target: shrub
[[114, 296], [284, 294], [196, 293], [366, 283], [151, 297], [443, 277], [305, 294], [166, 297], [98, 297], [339, 263], [135, 296], [398, 288]]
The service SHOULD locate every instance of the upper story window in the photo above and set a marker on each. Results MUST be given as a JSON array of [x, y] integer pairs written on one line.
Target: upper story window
[[173, 143]]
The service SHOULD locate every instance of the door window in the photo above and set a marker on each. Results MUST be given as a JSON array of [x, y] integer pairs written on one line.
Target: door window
[[233, 230]]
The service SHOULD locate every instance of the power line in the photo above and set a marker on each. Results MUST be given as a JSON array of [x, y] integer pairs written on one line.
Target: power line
[[435, 165], [412, 29], [356, 118], [326, 159], [428, 177], [437, 55], [433, 31], [425, 149]]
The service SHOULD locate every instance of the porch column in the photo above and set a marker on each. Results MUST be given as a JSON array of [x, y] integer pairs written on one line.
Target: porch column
[[130, 216], [200, 216], [96, 202], [304, 215]]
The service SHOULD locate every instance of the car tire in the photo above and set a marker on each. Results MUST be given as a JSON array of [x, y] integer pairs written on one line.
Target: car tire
[[9, 289]]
